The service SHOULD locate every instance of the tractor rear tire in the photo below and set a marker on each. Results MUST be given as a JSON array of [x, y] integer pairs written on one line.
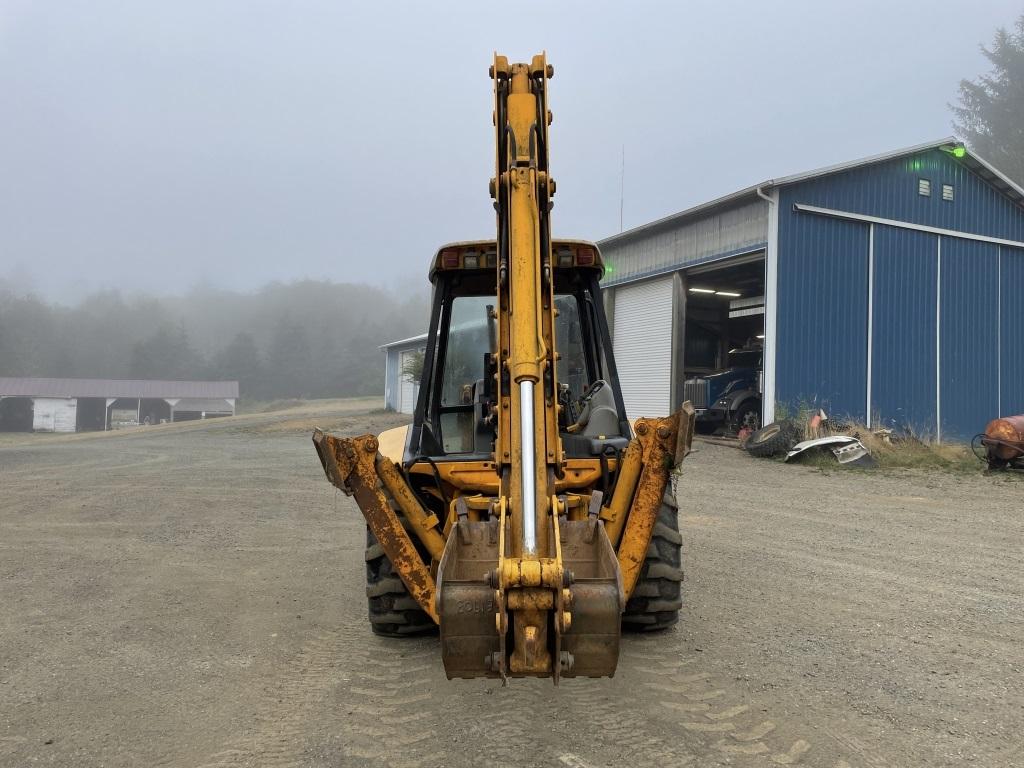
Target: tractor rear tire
[[657, 598], [393, 611], [770, 441]]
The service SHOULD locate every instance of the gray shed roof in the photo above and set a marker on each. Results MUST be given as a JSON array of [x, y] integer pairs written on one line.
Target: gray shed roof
[[31, 387]]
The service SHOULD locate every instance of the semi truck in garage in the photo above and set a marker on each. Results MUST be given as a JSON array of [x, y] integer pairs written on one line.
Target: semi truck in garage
[[729, 398]]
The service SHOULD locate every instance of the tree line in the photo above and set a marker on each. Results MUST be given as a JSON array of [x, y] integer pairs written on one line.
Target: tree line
[[297, 340]]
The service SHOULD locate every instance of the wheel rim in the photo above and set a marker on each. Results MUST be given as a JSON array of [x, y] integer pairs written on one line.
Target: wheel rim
[[751, 420]]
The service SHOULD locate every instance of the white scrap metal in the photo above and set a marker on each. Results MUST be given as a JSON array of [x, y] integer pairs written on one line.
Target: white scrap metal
[[846, 449]]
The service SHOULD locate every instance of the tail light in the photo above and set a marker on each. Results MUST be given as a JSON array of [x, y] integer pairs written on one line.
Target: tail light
[[585, 257]]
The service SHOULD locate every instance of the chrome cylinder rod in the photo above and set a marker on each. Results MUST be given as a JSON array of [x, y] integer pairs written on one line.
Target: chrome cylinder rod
[[527, 469]]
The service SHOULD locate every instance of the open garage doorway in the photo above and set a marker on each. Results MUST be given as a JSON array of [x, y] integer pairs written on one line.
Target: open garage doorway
[[723, 343], [154, 411], [91, 415], [15, 414]]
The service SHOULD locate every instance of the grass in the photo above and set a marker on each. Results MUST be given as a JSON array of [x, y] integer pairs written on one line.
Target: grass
[[889, 449], [913, 452], [265, 406]]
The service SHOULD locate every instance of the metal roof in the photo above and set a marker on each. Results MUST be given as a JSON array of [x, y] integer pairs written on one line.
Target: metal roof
[[978, 165], [135, 388], [403, 342]]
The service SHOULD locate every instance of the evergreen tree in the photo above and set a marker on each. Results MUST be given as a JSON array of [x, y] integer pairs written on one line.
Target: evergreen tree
[[166, 355], [289, 361], [990, 116], [240, 361]]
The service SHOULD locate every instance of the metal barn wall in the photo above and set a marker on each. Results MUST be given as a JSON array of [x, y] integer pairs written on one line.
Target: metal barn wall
[[903, 359], [391, 378], [408, 390], [946, 324], [969, 336], [1011, 331], [822, 321], [672, 244], [397, 388]]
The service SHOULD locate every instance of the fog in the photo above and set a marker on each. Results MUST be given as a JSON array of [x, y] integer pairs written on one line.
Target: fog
[[153, 147]]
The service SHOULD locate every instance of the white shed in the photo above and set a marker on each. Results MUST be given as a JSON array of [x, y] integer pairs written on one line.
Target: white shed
[[69, 405], [400, 392], [55, 414]]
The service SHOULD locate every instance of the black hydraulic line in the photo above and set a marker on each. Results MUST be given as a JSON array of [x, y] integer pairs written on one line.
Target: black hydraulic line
[[421, 412], [541, 121], [408, 481], [985, 440], [437, 477], [604, 474], [514, 149], [976, 443], [612, 374], [618, 470]]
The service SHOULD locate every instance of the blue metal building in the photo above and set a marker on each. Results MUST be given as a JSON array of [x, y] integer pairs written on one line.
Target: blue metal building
[[888, 289]]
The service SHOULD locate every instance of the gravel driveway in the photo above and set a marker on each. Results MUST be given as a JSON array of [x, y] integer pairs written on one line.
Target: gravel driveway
[[192, 594]]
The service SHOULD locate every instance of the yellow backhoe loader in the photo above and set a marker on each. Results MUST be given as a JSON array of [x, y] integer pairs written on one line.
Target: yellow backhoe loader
[[521, 511]]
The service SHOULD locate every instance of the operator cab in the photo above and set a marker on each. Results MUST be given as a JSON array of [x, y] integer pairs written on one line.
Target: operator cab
[[455, 415]]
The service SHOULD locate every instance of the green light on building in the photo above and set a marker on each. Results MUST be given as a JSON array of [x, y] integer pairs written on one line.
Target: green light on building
[[959, 151]]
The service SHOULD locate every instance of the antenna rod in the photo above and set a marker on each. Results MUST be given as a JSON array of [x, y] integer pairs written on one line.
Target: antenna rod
[[622, 186]]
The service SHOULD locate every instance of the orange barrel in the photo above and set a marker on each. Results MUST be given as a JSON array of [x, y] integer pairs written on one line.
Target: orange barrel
[[1009, 431]]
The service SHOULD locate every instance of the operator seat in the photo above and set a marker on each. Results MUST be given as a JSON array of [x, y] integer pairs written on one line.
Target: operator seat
[[599, 417], [596, 431]]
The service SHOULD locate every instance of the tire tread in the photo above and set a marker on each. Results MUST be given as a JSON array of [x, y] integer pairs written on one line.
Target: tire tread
[[393, 612], [657, 597]]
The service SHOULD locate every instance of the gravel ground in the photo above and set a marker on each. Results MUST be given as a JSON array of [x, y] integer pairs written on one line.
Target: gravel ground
[[192, 595]]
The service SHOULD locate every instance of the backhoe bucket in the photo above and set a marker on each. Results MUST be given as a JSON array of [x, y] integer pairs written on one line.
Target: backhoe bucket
[[466, 601], [598, 599], [476, 630]]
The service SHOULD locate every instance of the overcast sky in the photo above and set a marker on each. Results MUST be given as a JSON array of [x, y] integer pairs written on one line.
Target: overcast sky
[[157, 146]]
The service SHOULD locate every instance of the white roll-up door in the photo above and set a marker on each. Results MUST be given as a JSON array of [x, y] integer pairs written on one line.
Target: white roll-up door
[[643, 346], [407, 389]]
